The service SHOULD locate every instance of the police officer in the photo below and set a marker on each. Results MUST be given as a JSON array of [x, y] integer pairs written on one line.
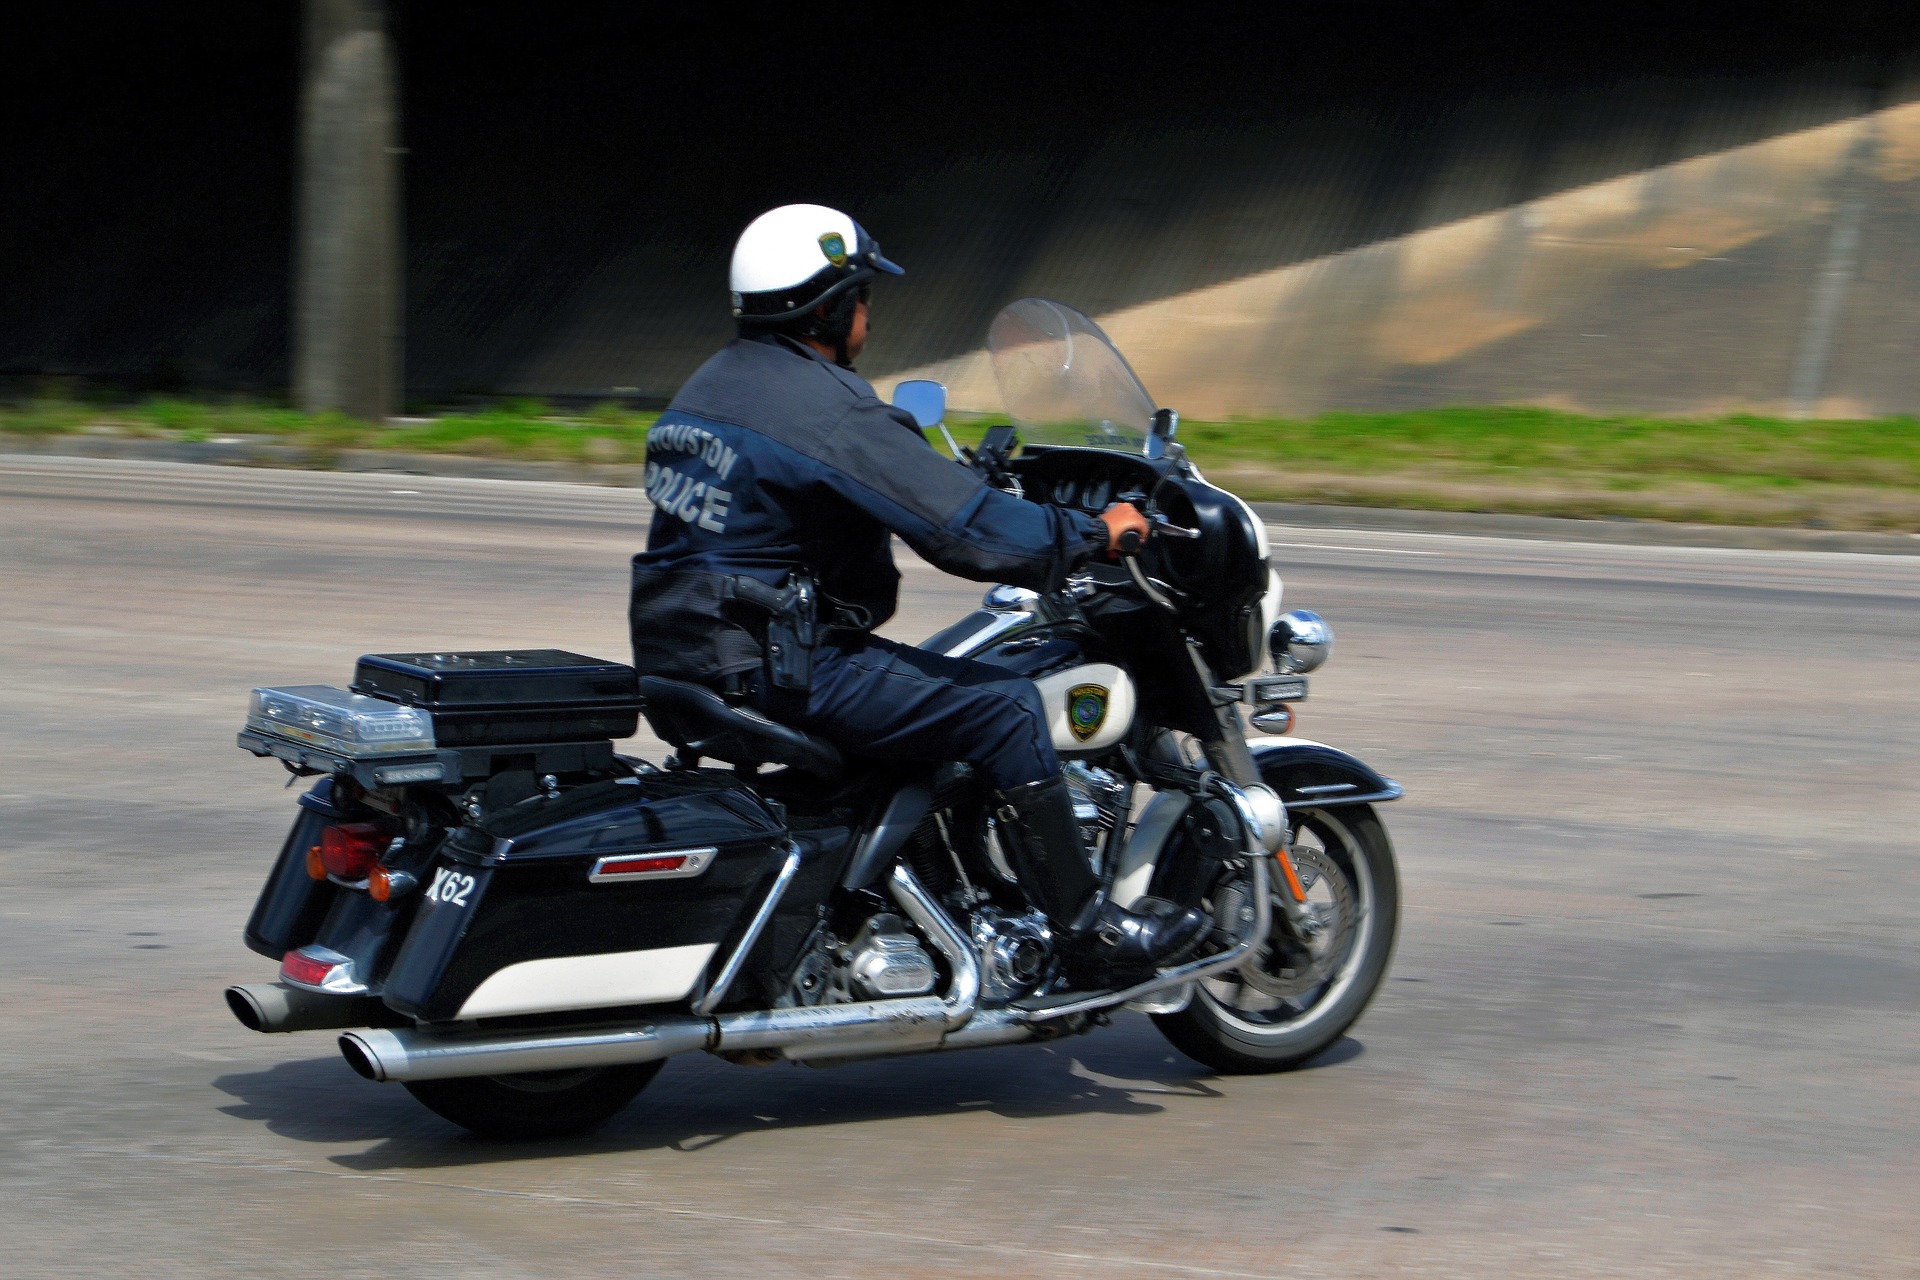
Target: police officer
[[776, 459]]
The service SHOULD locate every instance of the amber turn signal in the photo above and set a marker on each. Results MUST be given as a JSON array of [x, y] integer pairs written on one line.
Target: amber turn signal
[[315, 867], [1294, 887], [384, 884]]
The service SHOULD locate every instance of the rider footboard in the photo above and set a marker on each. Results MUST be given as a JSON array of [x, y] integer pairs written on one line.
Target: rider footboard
[[613, 894]]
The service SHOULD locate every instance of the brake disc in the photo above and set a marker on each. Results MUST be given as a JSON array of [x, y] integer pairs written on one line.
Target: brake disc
[[1288, 967]]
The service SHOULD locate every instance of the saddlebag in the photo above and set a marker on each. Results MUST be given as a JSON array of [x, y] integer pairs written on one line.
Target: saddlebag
[[617, 893]]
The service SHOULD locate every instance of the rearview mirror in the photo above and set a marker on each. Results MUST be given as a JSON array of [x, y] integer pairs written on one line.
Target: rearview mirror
[[924, 400], [1166, 425]]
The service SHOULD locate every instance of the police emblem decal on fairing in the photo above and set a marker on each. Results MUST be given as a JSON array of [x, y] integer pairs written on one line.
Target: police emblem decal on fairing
[[835, 248], [1086, 709]]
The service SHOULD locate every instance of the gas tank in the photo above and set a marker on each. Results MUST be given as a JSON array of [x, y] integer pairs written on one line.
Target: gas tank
[[1090, 703], [1089, 707]]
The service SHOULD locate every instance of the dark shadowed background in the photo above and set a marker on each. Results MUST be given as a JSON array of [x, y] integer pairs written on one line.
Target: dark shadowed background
[[576, 173]]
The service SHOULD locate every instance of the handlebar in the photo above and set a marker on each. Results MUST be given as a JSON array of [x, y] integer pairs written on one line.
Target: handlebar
[[1131, 541]]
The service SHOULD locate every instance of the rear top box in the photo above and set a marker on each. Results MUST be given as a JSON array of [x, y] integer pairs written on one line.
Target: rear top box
[[513, 696]]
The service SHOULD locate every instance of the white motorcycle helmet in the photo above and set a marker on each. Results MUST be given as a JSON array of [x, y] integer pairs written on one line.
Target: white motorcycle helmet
[[791, 260]]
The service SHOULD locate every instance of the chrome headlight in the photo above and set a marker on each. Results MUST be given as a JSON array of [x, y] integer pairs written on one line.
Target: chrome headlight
[[1262, 812], [1300, 641], [1000, 598]]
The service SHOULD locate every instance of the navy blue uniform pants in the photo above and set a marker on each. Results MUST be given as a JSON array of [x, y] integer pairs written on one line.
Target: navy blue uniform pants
[[884, 700]]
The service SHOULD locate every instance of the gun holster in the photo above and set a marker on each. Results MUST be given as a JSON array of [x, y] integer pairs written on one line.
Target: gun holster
[[791, 632], [792, 627]]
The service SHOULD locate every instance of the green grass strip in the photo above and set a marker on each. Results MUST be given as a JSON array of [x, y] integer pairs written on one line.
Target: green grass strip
[[1740, 468]]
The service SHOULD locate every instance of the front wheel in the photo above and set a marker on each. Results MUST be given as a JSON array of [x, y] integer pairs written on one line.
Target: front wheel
[[535, 1104], [1292, 1000]]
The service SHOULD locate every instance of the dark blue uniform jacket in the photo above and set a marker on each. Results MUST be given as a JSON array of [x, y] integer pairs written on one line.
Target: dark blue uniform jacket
[[772, 459]]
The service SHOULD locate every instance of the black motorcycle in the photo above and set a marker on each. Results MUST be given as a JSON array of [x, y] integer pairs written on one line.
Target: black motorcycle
[[521, 924]]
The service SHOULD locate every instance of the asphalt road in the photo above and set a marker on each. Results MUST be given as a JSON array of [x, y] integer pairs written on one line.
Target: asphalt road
[[1655, 1009]]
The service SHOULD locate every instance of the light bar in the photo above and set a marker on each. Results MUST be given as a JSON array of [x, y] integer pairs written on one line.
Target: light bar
[[348, 724]]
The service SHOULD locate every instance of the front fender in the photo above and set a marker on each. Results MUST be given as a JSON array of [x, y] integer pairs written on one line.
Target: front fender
[[1309, 774]]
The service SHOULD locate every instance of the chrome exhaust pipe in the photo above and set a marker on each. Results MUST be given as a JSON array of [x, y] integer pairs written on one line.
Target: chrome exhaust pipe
[[422, 1055], [963, 993], [871, 1028], [986, 1029], [900, 1027], [276, 1007], [1002, 1026], [874, 1027]]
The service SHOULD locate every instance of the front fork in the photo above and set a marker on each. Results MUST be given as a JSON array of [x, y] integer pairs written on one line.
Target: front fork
[[1269, 833], [1262, 813]]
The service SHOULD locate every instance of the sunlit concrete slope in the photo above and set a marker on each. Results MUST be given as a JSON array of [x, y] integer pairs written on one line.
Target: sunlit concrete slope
[[1781, 276], [1360, 259]]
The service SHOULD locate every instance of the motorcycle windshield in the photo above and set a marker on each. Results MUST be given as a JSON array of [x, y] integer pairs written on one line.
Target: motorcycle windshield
[[1063, 382]]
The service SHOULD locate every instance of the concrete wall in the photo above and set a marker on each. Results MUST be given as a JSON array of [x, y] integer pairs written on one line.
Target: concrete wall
[[1281, 208], [1666, 246], [1782, 276]]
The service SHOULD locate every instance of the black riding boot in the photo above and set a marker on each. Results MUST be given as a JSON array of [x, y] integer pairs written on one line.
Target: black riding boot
[[1042, 841]]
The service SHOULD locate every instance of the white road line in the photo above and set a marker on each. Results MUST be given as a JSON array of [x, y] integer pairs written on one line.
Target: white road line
[[1516, 545], [1334, 546], [550, 499]]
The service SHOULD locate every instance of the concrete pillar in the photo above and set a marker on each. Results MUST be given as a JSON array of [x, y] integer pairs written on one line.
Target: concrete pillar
[[347, 253]]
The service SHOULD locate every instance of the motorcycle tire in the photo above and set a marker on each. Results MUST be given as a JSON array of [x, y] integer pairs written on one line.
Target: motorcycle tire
[[1211, 1031], [542, 1104]]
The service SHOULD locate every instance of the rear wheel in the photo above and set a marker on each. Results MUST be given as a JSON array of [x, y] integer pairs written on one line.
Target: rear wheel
[[1293, 999], [536, 1104]]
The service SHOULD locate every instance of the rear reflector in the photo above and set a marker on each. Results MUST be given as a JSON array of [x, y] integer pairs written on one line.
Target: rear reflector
[[643, 866], [304, 969], [320, 969], [658, 866]]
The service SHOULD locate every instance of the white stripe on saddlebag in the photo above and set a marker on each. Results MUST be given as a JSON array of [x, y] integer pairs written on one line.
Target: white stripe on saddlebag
[[589, 982]]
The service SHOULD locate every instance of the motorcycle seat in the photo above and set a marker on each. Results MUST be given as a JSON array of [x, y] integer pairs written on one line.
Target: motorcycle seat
[[701, 723]]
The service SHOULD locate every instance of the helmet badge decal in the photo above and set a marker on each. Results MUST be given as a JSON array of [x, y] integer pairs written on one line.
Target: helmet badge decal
[[1086, 710], [835, 247]]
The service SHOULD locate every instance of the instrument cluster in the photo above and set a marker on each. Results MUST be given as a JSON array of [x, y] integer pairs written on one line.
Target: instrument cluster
[[1084, 479]]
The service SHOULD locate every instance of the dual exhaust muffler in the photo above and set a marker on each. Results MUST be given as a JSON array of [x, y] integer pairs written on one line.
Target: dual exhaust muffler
[[811, 1033]]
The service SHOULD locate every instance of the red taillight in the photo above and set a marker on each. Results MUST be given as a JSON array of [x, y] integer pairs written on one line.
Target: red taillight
[[303, 968], [348, 850]]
